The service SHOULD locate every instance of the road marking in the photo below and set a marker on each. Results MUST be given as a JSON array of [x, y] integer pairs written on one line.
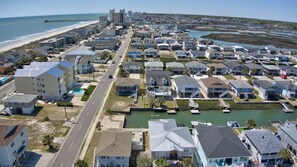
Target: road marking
[[71, 144], [80, 127]]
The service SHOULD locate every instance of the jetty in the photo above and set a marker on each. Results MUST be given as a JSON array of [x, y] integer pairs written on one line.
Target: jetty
[[63, 20], [194, 107], [286, 108], [224, 106]]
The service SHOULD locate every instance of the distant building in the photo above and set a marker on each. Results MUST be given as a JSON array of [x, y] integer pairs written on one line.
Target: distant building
[[53, 42], [117, 18], [103, 19], [14, 142], [113, 149]]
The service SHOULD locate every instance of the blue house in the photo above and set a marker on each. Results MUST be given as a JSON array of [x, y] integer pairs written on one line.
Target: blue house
[[134, 53], [241, 89], [287, 89]]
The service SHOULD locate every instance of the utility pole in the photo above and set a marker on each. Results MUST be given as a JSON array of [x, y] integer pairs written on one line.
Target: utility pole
[[65, 113]]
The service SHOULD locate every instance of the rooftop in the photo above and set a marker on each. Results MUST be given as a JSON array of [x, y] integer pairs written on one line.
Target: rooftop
[[213, 82], [8, 133], [185, 81], [19, 98]]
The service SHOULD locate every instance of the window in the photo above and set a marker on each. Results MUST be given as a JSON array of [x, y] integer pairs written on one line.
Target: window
[[22, 133], [23, 142], [12, 144], [103, 157], [118, 157]]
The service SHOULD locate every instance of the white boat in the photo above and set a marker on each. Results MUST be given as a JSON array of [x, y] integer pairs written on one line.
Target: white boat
[[233, 124]]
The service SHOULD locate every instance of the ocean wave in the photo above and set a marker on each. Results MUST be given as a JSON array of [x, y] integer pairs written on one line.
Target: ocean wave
[[25, 37]]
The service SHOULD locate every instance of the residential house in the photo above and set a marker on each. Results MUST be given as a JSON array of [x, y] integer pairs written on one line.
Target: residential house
[[219, 146], [243, 56], [154, 66], [14, 56], [288, 135], [219, 68], [271, 70], [228, 55], [70, 37], [20, 103], [149, 45], [175, 67], [254, 69], [288, 71], [127, 86], [49, 80], [176, 46], [241, 89], [132, 67], [282, 58], [5, 67], [159, 40], [212, 54], [228, 49], [287, 89], [136, 45], [215, 47], [183, 54], [163, 46], [136, 40], [105, 40], [14, 142], [82, 60], [158, 83], [214, 87], [169, 141], [142, 34], [257, 56], [170, 41], [239, 49], [54, 42], [198, 54], [233, 67], [196, 67], [205, 41], [113, 149], [267, 90], [134, 53], [151, 53], [189, 44], [264, 146], [186, 87]]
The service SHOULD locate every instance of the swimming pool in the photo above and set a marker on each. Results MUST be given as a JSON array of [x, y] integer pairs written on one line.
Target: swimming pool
[[77, 92]]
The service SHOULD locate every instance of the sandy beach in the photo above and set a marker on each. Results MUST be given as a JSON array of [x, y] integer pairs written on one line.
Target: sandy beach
[[17, 43]]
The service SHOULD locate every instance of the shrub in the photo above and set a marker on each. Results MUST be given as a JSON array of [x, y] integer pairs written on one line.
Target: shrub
[[45, 119], [64, 104]]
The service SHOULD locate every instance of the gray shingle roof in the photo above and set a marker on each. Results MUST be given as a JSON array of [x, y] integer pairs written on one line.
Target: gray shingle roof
[[253, 66], [232, 64], [132, 63], [286, 85], [158, 76], [220, 141], [264, 141], [20, 98], [175, 64], [185, 80], [240, 84], [127, 82], [195, 64], [264, 84], [290, 128]]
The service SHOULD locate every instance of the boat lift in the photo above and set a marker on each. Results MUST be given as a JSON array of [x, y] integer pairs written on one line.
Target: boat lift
[[286, 108]]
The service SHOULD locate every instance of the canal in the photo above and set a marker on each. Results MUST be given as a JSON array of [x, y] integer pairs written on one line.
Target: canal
[[139, 119]]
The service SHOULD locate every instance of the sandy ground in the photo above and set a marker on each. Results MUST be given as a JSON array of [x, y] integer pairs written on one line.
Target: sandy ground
[[10, 45]]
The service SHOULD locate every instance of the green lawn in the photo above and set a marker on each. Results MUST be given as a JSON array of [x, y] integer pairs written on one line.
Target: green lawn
[[88, 93]]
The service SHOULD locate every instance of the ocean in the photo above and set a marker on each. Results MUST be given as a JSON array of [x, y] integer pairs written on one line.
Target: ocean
[[20, 28]]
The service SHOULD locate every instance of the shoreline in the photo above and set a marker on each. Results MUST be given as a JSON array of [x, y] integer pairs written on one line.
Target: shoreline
[[39, 36]]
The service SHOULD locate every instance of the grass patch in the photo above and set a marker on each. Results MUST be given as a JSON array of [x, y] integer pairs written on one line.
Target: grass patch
[[115, 102], [88, 93], [183, 105], [229, 77], [90, 152]]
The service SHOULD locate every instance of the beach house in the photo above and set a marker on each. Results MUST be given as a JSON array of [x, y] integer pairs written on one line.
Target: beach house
[[266, 89], [219, 146], [212, 54], [254, 69], [82, 60], [153, 66], [215, 87], [134, 53], [132, 67], [196, 68], [288, 135], [20, 103], [175, 67], [186, 87], [241, 89], [127, 86], [158, 84], [14, 143], [233, 67]]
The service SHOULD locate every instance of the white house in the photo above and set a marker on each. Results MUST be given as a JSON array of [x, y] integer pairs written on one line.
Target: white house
[[154, 66], [113, 149], [169, 141], [82, 60], [14, 142], [158, 83], [219, 146], [212, 54], [183, 54]]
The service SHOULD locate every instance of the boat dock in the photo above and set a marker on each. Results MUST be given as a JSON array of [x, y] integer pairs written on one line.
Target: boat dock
[[286, 108], [171, 112], [194, 107], [225, 106]]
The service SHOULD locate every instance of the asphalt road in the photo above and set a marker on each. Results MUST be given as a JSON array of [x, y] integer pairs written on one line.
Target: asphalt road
[[70, 149], [7, 89]]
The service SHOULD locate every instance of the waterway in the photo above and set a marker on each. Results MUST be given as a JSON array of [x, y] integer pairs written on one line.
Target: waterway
[[197, 34], [139, 119]]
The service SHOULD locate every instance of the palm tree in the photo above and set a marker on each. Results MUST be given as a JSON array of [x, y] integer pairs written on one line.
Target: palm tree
[[161, 162], [187, 162], [81, 163], [186, 72], [161, 101], [48, 141], [60, 58], [250, 123], [285, 155]]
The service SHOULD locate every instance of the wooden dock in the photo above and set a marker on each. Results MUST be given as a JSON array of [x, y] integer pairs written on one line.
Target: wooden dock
[[224, 106], [286, 108], [171, 112]]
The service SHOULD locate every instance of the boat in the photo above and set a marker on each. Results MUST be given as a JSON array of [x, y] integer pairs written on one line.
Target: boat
[[233, 124]]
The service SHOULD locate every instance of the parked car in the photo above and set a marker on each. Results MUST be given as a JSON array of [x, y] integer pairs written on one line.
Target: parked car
[[113, 62], [110, 77]]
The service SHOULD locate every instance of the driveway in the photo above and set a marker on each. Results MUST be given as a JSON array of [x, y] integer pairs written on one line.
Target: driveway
[[263, 78], [134, 76]]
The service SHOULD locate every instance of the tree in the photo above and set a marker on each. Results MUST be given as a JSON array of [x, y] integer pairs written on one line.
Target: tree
[[161, 162], [168, 69], [48, 141], [285, 155], [212, 69], [144, 161], [152, 102], [186, 72], [60, 58], [42, 59], [254, 72], [245, 71], [161, 101], [187, 162], [81, 163], [250, 124]]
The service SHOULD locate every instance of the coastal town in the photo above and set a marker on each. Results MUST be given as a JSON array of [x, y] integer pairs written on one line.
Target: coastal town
[[140, 89]]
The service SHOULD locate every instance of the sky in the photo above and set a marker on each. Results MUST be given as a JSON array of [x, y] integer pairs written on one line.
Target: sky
[[284, 10]]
